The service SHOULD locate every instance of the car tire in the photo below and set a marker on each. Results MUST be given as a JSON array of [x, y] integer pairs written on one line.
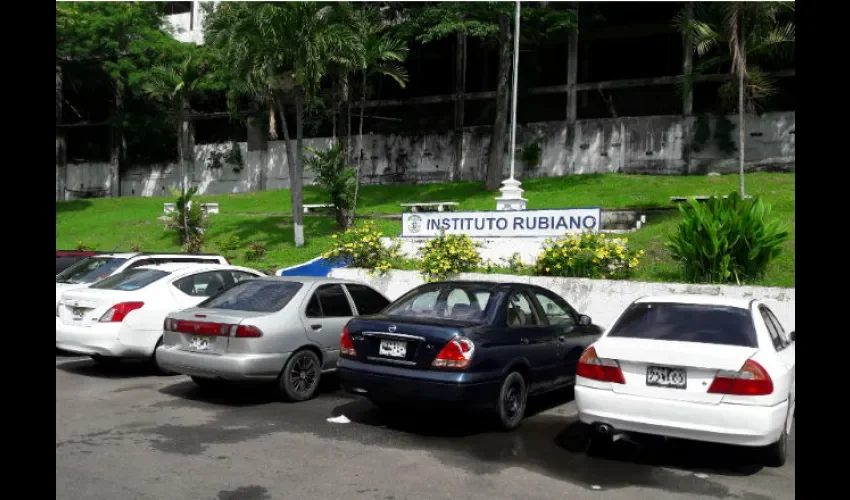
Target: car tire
[[155, 361], [513, 396], [776, 454], [300, 378]]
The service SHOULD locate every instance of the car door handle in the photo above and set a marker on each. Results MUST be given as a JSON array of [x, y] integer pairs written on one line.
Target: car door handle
[[316, 327], [523, 340], [562, 338]]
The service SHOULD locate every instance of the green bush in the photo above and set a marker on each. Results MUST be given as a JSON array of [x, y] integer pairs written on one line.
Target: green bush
[[361, 246], [448, 254], [189, 220], [726, 240], [256, 251], [229, 246], [336, 180], [587, 255]]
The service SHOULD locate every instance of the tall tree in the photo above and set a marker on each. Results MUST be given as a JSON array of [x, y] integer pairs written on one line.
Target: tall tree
[[490, 22], [750, 32], [283, 50], [383, 55]]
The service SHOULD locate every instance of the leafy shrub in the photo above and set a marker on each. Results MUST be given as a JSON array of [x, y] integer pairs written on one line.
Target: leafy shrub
[[587, 255], [726, 239], [256, 251], [361, 246], [82, 246], [229, 246], [336, 180], [189, 220], [448, 254], [136, 247]]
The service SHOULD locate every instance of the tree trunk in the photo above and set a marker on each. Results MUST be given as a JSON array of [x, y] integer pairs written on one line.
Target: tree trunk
[[296, 183], [460, 88], [182, 154], [496, 157], [344, 126], [117, 141], [741, 108], [360, 152], [272, 123], [61, 163], [334, 109], [297, 213]]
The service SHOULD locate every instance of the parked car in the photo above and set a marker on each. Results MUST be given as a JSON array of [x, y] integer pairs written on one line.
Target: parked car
[[95, 268], [274, 328], [705, 368], [121, 316], [479, 344], [67, 258]]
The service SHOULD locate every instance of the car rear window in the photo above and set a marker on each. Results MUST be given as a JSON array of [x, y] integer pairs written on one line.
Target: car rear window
[[90, 270], [705, 324], [131, 279], [255, 296], [460, 301]]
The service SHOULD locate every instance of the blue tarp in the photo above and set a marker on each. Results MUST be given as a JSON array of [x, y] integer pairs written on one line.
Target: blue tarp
[[318, 267]]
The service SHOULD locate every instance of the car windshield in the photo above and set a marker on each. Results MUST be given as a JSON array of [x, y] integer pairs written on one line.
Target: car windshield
[[131, 279], [706, 324], [460, 301], [90, 270], [254, 295]]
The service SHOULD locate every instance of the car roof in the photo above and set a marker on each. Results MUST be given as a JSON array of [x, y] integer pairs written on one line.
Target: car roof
[[177, 267], [699, 299], [481, 283], [130, 255], [311, 279]]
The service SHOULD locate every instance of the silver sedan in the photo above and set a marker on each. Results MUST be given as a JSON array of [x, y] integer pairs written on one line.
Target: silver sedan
[[267, 329]]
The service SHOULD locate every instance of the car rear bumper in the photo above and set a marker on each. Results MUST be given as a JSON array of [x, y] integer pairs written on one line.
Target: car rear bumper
[[236, 366], [411, 386], [739, 425], [102, 339]]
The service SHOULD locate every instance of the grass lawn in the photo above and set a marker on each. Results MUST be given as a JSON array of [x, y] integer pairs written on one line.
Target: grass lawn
[[124, 223]]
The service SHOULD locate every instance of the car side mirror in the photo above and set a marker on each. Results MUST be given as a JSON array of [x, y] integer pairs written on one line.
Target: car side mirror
[[793, 336], [584, 320]]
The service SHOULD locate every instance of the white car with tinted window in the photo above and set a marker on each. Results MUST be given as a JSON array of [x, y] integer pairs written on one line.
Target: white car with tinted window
[[121, 316], [704, 368]]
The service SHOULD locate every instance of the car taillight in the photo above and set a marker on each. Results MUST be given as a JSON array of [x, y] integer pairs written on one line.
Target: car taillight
[[58, 305], [118, 312], [346, 346], [456, 354], [595, 368], [206, 329], [751, 380]]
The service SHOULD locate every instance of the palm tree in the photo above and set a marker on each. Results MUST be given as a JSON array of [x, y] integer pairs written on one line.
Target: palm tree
[[750, 30], [283, 50], [175, 86], [383, 54]]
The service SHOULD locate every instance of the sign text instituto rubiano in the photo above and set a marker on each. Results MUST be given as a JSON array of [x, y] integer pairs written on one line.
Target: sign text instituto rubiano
[[502, 224]]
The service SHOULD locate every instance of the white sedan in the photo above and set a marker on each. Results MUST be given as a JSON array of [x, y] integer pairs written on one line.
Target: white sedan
[[704, 368], [122, 316]]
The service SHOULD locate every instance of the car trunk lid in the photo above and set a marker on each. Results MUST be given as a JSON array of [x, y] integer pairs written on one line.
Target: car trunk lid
[[671, 370], [412, 342], [208, 331], [85, 307]]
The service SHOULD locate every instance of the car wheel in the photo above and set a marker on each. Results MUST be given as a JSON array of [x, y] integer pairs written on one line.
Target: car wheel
[[776, 454], [299, 380], [512, 401], [155, 361]]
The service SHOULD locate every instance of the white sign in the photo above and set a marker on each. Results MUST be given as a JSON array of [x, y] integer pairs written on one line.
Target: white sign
[[500, 224]]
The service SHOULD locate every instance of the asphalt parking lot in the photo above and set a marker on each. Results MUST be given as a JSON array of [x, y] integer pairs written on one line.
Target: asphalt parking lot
[[123, 432]]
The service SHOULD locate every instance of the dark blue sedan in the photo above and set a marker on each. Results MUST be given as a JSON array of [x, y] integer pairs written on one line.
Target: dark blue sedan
[[472, 344]]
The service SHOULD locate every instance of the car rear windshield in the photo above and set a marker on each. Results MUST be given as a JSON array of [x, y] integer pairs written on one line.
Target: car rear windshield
[[706, 324], [460, 301], [255, 296], [131, 279], [90, 270]]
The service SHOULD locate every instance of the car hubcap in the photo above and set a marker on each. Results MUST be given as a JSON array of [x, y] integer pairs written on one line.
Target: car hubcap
[[512, 401], [303, 375]]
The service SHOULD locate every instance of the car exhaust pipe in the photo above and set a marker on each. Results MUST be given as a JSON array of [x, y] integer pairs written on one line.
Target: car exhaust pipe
[[604, 429]]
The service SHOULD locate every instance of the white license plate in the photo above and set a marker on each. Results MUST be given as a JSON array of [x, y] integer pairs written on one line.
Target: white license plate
[[200, 343], [393, 348], [78, 313], [663, 376]]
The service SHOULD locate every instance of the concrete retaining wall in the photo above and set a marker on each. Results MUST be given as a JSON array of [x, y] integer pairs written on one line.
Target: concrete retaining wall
[[602, 300]]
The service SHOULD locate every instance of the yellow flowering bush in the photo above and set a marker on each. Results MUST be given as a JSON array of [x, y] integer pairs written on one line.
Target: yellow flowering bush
[[448, 254], [587, 255], [361, 246]]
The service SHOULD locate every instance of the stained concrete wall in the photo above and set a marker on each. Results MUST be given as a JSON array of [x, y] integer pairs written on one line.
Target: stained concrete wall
[[602, 300], [648, 145]]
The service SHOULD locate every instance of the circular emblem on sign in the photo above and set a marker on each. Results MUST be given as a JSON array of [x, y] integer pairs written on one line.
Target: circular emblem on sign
[[391, 328], [414, 224]]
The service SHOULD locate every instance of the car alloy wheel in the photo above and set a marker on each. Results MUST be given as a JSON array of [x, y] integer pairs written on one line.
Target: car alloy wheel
[[300, 377]]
